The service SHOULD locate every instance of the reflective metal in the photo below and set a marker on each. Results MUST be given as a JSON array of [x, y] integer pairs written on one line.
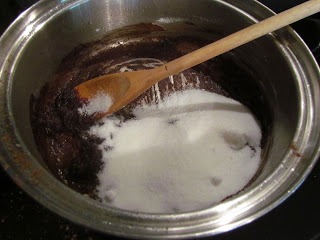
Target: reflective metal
[[36, 42]]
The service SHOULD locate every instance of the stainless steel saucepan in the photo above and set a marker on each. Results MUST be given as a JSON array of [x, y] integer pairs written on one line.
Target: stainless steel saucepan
[[34, 45]]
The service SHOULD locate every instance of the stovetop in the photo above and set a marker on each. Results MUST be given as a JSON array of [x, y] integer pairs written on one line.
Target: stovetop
[[298, 217]]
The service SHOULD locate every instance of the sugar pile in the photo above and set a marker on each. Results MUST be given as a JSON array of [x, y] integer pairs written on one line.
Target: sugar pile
[[188, 152], [99, 104]]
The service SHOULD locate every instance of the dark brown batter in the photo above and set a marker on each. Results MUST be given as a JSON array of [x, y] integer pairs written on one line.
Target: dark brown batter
[[61, 134]]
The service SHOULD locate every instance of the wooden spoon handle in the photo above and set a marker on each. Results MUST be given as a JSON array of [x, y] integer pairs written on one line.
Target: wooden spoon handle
[[239, 38]]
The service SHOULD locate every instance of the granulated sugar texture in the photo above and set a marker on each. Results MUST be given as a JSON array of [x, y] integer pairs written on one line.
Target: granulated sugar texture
[[100, 104], [190, 151]]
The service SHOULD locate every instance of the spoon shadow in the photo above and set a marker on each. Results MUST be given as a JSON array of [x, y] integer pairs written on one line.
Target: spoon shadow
[[200, 107]]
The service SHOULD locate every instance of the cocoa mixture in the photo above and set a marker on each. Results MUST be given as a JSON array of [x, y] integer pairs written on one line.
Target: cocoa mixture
[[61, 133]]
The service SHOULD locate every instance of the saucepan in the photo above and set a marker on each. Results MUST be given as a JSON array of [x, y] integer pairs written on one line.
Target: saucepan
[[34, 45]]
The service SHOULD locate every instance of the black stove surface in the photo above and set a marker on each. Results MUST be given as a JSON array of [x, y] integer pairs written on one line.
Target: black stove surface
[[298, 217]]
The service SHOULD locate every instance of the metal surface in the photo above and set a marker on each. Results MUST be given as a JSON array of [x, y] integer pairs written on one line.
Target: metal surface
[[37, 41]]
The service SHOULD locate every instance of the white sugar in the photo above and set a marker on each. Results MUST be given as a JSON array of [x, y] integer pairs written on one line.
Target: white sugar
[[100, 104], [188, 152]]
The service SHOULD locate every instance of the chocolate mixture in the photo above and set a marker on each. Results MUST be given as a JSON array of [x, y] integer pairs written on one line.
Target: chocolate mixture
[[61, 133]]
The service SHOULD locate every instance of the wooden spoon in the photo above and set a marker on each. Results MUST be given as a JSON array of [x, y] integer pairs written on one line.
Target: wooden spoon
[[127, 86]]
